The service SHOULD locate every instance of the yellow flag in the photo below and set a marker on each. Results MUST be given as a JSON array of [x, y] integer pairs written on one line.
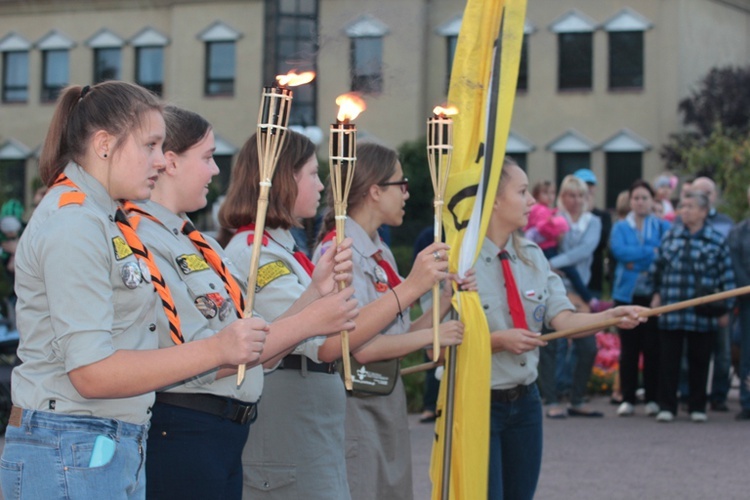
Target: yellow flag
[[483, 88]]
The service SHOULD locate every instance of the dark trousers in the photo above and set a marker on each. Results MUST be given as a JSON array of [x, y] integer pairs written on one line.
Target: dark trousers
[[642, 339], [699, 347], [515, 447], [192, 454]]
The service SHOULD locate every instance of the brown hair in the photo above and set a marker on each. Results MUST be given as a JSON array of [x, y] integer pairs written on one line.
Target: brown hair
[[113, 106], [539, 187], [375, 164], [185, 129], [240, 205]]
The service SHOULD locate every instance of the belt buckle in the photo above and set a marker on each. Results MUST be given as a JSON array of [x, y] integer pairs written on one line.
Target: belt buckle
[[245, 413]]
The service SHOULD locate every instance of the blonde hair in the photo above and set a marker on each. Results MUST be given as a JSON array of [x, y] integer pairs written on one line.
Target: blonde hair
[[517, 235], [571, 183]]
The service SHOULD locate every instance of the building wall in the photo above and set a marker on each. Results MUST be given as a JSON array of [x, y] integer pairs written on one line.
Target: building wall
[[687, 38]]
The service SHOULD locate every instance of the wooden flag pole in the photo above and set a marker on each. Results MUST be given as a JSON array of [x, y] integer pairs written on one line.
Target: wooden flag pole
[[735, 292], [600, 325]]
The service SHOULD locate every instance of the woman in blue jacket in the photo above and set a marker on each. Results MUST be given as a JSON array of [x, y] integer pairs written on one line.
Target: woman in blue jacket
[[633, 243]]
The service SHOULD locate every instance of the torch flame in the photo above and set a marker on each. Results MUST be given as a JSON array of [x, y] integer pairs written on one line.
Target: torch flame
[[350, 106], [441, 111], [293, 79]]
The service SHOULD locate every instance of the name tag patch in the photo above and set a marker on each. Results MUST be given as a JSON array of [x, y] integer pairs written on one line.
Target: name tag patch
[[269, 272], [191, 263]]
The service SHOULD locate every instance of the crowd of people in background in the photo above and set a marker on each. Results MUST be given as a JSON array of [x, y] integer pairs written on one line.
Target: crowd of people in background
[[662, 249]]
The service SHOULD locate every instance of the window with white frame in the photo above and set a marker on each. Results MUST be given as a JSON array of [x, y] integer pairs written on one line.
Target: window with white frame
[[55, 48], [450, 31], [291, 43], [107, 48], [572, 151], [221, 62], [575, 51], [523, 65], [15, 51], [149, 60], [626, 49], [624, 162], [366, 54]]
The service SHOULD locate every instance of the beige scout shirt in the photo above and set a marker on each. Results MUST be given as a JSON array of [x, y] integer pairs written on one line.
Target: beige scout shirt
[[202, 302], [366, 271], [281, 279], [81, 296], [543, 296]]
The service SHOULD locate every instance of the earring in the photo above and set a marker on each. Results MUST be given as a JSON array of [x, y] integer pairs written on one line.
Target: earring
[[105, 155]]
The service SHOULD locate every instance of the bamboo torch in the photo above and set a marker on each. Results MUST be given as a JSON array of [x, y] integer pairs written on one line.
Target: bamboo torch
[[342, 149], [273, 119], [439, 154]]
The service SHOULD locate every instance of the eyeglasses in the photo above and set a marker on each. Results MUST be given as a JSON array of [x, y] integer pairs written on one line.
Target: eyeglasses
[[404, 184]]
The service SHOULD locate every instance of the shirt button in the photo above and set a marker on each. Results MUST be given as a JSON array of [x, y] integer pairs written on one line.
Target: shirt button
[[112, 218], [486, 306], [488, 259], [212, 286], [523, 363], [152, 327], [175, 230]]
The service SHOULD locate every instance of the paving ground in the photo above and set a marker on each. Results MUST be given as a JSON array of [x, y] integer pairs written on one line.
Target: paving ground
[[617, 458]]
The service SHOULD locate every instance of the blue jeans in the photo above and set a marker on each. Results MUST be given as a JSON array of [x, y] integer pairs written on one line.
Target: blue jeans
[[515, 447], [745, 354], [566, 360], [48, 457], [192, 454]]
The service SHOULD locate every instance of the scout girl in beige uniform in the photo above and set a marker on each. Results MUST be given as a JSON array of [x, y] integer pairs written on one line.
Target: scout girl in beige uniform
[[210, 413], [378, 461], [87, 309], [297, 445], [520, 293]]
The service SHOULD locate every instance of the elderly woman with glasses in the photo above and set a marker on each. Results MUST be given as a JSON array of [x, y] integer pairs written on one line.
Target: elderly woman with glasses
[[693, 256]]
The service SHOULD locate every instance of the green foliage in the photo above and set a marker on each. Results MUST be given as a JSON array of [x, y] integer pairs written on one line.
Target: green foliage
[[725, 158], [419, 210], [721, 101]]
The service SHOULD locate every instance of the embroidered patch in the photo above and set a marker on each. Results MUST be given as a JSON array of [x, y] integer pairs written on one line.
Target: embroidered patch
[[122, 249], [269, 272], [539, 312], [191, 263]]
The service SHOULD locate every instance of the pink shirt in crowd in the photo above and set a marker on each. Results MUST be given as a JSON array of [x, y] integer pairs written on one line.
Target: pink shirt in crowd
[[545, 227]]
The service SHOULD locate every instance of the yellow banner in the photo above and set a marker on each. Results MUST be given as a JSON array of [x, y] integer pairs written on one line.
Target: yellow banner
[[483, 88]]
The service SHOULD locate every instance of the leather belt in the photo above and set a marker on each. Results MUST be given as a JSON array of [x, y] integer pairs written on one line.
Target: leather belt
[[16, 414], [228, 408], [294, 362], [509, 395]]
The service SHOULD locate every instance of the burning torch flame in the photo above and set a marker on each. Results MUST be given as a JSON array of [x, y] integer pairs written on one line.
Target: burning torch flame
[[441, 111], [350, 106], [293, 79]]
